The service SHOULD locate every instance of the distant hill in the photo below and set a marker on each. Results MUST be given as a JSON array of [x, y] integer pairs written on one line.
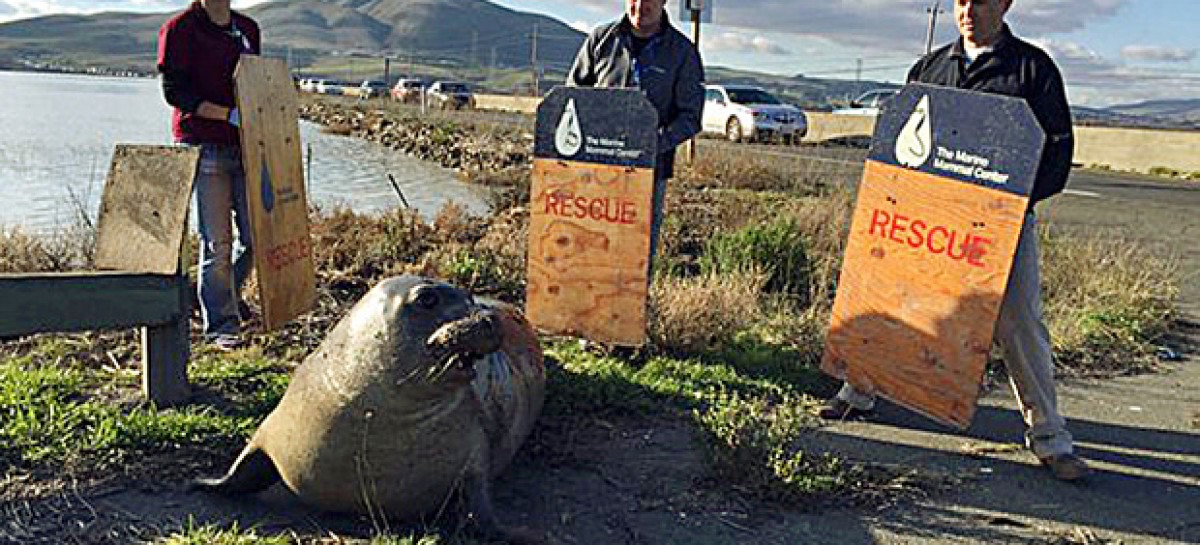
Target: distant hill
[[1185, 111], [466, 31]]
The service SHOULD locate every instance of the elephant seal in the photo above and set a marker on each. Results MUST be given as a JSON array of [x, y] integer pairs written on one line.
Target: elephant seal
[[418, 393]]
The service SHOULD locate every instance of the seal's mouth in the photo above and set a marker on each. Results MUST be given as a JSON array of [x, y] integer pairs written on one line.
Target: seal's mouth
[[456, 345]]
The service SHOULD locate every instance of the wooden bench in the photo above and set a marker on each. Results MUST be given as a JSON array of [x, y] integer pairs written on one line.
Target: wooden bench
[[67, 302], [143, 218]]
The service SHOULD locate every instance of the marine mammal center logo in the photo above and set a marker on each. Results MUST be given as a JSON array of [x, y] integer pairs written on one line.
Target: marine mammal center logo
[[568, 138], [914, 145]]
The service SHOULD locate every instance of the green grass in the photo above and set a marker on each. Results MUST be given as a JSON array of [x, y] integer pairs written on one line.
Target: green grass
[[778, 249], [53, 411], [750, 405], [215, 535]]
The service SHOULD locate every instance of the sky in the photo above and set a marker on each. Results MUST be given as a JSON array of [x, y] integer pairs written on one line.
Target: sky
[[1110, 51]]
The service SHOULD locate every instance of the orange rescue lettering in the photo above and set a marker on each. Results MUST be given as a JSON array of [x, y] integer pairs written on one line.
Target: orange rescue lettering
[[611, 210], [935, 239]]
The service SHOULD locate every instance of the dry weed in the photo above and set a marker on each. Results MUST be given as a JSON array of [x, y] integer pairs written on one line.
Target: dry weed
[[1107, 301], [66, 250], [691, 315]]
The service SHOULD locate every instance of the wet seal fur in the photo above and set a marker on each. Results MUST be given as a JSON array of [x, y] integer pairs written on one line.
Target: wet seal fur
[[418, 393]]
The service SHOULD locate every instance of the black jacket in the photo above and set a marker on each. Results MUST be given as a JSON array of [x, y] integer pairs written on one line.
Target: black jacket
[[673, 79], [1018, 69]]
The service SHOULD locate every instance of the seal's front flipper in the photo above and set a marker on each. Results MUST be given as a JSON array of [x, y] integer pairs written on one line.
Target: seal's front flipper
[[253, 471]]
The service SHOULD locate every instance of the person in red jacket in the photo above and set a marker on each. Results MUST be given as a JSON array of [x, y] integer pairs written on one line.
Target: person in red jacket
[[198, 51]]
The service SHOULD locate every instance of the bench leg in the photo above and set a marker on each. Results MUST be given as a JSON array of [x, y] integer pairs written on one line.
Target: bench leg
[[165, 354]]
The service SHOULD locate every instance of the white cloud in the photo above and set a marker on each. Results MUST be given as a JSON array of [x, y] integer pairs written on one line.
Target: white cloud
[[582, 26], [740, 43], [6, 9], [1094, 80], [1154, 53]]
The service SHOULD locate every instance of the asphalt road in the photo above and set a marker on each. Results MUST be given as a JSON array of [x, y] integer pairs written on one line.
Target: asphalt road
[[1163, 215]]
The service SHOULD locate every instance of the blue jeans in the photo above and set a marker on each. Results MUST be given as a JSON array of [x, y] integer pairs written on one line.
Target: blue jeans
[[220, 203], [656, 217]]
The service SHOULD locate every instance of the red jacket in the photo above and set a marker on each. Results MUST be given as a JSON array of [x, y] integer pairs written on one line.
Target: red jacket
[[197, 58]]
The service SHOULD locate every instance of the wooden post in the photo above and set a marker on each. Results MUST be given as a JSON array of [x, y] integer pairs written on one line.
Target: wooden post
[[691, 144], [165, 354]]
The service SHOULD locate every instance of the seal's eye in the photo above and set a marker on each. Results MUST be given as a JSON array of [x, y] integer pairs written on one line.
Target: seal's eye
[[426, 300]]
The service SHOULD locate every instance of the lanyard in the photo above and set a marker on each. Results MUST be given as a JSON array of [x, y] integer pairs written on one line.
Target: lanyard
[[239, 37]]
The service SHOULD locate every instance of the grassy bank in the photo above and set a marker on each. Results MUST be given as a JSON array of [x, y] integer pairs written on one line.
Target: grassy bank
[[740, 301]]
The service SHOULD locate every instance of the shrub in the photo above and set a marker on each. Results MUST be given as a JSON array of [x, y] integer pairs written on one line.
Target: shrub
[[777, 249], [346, 244], [69, 249], [756, 443]]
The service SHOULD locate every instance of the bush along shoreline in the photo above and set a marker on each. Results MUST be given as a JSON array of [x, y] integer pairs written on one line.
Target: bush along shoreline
[[739, 306]]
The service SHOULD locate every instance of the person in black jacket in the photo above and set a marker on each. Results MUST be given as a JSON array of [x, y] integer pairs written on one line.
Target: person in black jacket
[[642, 50], [988, 58]]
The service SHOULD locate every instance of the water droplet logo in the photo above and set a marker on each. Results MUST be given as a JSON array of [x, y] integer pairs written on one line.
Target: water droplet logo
[[915, 143], [568, 139], [268, 191]]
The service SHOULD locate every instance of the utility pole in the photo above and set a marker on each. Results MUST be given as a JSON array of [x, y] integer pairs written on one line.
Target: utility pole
[[387, 71], [474, 45], [533, 63], [492, 66], [857, 76], [933, 10]]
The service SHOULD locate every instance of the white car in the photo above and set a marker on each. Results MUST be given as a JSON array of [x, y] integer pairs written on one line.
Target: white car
[[869, 103], [331, 87], [373, 88], [741, 112]]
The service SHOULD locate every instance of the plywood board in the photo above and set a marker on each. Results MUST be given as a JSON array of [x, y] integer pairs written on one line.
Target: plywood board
[[922, 280], [931, 244], [143, 213], [275, 186], [590, 214], [589, 250]]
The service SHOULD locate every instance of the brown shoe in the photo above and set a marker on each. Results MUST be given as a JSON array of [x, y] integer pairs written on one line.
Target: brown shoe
[[839, 409], [1067, 467]]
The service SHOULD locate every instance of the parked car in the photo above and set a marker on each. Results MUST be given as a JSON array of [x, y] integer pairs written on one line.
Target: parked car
[[332, 87], [449, 95], [408, 90], [741, 112], [372, 88], [869, 103]]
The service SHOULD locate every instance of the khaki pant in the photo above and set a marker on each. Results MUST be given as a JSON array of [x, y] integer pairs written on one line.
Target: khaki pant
[[1022, 335]]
